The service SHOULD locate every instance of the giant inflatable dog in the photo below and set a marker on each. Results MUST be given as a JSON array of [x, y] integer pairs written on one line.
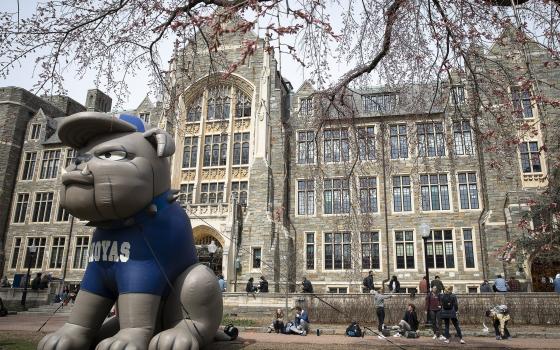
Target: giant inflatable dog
[[142, 254]]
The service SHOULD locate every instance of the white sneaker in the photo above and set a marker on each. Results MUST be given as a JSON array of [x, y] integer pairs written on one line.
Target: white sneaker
[[434, 337], [381, 336], [462, 341], [441, 337], [397, 335]]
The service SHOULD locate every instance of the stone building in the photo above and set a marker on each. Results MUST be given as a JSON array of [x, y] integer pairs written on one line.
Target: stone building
[[288, 186]]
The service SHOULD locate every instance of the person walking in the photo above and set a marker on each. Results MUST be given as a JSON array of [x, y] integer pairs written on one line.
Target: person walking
[[394, 285], [368, 283], [485, 287], [433, 304], [306, 286], [263, 285], [423, 285], [500, 284], [438, 284], [557, 283], [449, 309], [379, 303]]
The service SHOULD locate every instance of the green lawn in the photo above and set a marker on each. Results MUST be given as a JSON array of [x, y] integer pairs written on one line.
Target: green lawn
[[19, 340]]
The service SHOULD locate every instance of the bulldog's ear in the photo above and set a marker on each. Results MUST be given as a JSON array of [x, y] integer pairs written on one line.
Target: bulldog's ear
[[165, 146]]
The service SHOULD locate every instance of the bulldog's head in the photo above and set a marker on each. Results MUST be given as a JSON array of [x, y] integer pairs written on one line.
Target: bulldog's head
[[120, 167]]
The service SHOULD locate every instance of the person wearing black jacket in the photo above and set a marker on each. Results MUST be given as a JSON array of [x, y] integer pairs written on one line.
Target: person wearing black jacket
[[409, 321], [368, 283], [306, 286], [263, 285], [394, 285], [449, 309], [250, 288]]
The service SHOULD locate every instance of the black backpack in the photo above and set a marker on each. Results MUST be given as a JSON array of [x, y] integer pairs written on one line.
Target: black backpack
[[447, 302], [365, 282], [354, 330], [232, 331]]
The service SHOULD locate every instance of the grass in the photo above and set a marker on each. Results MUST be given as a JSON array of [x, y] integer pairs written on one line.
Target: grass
[[14, 340], [238, 322]]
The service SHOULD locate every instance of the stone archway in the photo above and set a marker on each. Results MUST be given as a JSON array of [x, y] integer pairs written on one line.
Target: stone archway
[[203, 236], [543, 271]]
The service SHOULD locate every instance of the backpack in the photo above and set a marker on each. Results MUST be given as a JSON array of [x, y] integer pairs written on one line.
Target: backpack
[[501, 309], [354, 330], [232, 331], [447, 302], [364, 282]]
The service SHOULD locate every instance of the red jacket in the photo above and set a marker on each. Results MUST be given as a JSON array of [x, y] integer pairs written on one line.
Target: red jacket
[[433, 302]]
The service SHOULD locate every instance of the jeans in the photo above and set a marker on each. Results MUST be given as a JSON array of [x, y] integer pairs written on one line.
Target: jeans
[[380, 317], [436, 322], [404, 326], [278, 326], [304, 325], [455, 324], [497, 329]]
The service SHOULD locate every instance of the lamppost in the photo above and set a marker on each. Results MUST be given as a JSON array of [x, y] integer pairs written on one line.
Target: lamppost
[[212, 247], [32, 249], [425, 233]]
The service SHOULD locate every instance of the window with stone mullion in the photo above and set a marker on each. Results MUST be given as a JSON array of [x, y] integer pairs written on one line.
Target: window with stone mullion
[[336, 147], [215, 150], [368, 194], [366, 143], [434, 192], [430, 139], [469, 248], [212, 192], [306, 147], [186, 194], [241, 148], [336, 196], [29, 165], [42, 207], [190, 151], [218, 103], [468, 190], [49, 165], [242, 106], [15, 252], [21, 207], [57, 253], [530, 157], [310, 251], [35, 260], [440, 253], [239, 191], [404, 249], [402, 194], [370, 250], [338, 251], [306, 197], [81, 252], [398, 141], [521, 99], [462, 137]]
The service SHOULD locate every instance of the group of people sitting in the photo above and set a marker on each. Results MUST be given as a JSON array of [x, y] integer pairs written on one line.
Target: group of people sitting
[[262, 288], [299, 326]]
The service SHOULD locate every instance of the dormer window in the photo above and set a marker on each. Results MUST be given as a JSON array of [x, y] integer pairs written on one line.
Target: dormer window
[[35, 131], [379, 103], [306, 106], [458, 95]]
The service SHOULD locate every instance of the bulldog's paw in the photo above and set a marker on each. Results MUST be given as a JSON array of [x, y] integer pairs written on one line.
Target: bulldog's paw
[[174, 339], [126, 339], [68, 337]]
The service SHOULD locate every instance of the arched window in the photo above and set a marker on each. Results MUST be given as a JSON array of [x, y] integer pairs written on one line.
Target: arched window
[[195, 111], [219, 102], [243, 105]]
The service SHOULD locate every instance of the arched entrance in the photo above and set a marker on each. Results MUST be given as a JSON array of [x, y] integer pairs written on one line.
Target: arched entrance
[[543, 271], [209, 247]]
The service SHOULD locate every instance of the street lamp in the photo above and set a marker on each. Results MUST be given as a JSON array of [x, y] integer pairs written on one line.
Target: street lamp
[[425, 233], [212, 248], [32, 249]]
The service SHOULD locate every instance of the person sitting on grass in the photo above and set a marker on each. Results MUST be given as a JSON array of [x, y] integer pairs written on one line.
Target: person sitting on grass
[[277, 324], [409, 321]]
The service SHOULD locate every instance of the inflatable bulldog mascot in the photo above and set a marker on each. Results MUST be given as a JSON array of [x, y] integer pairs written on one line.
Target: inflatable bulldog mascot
[[142, 254]]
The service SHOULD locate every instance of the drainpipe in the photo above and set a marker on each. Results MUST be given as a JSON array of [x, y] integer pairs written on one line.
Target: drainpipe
[[383, 163]]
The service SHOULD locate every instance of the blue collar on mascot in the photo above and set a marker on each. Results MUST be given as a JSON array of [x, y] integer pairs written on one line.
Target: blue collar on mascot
[[160, 202]]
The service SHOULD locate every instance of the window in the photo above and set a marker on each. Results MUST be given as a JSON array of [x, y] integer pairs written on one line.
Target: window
[[399, 141], [402, 197], [379, 103], [468, 191], [70, 157], [242, 106], [468, 242], [49, 164], [35, 131], [241, 148], [218, 103], [335, 144], [81, 252], [530, 157], [29, 165], [368, 194], [338, 255], [215, 150], [35, 260], [430, 139], [62, 215], [336, 196], [21, 208], [256, 261], [458, 95], [462, 138], [212, 192], [15, 252], [306, 197], [306, 106], [190, 152], [440, 249], [310, 250], [42, 207], [145, 116], [57, 253], [338, 290], [521, 99], [370, 250], [186, 194], [404, 246], [366, 143], [306, 147], [194, 113], [434, 192], [472, 290], [239, 191]]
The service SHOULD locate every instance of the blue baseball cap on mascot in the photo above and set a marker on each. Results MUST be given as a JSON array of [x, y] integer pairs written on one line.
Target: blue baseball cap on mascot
[[78, 129]]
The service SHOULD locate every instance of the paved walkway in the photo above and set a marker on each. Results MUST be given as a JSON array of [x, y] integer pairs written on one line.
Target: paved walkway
[[21, 324]]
